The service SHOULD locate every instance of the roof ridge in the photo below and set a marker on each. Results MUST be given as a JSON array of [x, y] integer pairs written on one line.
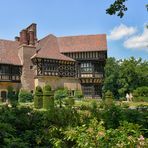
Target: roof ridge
[[82, 35], [8, 40]]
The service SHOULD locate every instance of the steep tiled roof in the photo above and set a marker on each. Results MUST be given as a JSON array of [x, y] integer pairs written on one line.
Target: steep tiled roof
[[48, 48], [52, 47], [83, 43], [9, 52]]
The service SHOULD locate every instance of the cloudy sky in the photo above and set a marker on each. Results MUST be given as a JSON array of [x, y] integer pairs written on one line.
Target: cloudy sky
[[126, 37]]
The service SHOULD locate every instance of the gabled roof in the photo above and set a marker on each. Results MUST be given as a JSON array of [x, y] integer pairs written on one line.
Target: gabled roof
[[9, 52], [82, 43], [53, 47], [48, 48]]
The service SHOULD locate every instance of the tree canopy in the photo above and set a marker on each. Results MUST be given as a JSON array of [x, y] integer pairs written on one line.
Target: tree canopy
[[123, 76], [119, 7]]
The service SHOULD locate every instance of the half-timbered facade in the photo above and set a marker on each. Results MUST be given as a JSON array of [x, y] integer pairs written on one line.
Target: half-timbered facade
[[75, 62]]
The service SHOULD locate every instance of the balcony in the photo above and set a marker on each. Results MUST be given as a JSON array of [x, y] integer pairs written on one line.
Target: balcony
[[9, 78]]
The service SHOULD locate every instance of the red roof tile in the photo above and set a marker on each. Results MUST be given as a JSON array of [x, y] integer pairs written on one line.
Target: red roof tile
[[48, 48], [83, 43], [9, 52]]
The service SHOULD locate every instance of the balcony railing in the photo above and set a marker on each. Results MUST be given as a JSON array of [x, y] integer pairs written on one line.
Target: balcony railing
[[91, 75], [9, 77]]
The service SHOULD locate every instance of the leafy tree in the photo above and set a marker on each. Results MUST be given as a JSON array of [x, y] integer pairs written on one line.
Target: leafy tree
[[118, 7], [111, 77], [124, 76]]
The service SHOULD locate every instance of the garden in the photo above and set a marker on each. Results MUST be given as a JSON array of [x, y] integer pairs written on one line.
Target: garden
[[57, 119]]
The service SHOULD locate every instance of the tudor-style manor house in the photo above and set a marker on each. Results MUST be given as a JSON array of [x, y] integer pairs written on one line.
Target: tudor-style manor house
[[74, 62]]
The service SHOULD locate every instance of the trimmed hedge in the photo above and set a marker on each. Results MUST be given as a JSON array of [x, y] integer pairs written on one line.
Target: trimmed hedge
[[38, 97], [25, 96], [48, 99]]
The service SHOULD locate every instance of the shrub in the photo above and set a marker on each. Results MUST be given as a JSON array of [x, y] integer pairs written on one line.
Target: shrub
[[48, 99], [70, 101], [109, 98], [12, 96], [78, 94], [141, 91], [60, 94], [38, 97], [25, 96]]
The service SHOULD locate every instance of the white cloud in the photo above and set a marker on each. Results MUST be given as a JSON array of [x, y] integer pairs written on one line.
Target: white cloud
[[138, 41], [121, 31]]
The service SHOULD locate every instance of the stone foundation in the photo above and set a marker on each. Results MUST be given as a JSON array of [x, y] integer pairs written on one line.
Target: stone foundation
[[58, 82]]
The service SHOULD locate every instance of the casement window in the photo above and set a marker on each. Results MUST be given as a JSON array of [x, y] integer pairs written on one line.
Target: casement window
[[86, 67]]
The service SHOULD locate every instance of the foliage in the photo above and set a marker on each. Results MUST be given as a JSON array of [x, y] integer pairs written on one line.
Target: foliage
[[48, 100], [69, 127], [111, 77], [117, 7], [38, 97], [12, 96], [109, 97], [69, 102], [141, 91], [60, 94], [125, 76], [78, 94], [25, 96], [95, 135]]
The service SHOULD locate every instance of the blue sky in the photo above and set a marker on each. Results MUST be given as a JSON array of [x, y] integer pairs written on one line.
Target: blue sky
[[126, 37]]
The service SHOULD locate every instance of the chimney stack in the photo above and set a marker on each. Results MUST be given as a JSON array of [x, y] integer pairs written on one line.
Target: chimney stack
[[31, 37], [23, 37], [17, 38], [28, 35]]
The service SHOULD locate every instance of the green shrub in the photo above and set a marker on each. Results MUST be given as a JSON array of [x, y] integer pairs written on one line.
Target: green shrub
[[78, 94], [60, 94], [70, 101], [48, 99], [38, 97], [108, 98], [12, 97], [25, 96], [141, 91]]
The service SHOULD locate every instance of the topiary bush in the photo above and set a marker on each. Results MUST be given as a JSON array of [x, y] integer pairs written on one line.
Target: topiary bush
[[78, 94], [38, 97], [48, 99], [109, 98], [25, 96]]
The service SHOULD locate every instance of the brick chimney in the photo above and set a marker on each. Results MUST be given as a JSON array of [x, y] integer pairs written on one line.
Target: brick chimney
[[23, 37], [26, 50], [31, 37], [28, 36]]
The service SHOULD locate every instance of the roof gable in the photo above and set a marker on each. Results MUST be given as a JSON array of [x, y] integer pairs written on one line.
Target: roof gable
[[48, 48]]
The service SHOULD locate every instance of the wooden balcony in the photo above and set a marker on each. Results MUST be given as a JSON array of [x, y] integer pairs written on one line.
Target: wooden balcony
[[10, 78]]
